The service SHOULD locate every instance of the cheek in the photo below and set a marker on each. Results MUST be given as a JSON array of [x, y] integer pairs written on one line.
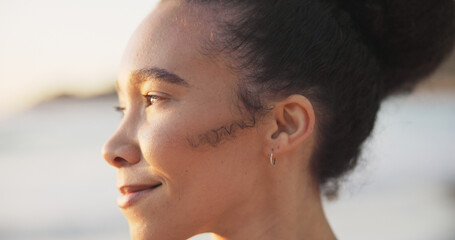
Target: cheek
[[163, 143], [166, 149], [207, 171]]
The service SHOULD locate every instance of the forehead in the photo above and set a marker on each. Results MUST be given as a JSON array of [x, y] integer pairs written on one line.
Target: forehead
[[170, 37]]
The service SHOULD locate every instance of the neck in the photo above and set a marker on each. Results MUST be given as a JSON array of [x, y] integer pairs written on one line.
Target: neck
[[288, 209]]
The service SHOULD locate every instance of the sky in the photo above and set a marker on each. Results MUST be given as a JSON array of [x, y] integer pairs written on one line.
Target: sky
[[50, 47]]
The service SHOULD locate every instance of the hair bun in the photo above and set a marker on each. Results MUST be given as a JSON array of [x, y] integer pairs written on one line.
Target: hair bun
[[409, 38]]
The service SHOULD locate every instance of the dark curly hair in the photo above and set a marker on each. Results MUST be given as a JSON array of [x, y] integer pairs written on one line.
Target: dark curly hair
[[345, 56]]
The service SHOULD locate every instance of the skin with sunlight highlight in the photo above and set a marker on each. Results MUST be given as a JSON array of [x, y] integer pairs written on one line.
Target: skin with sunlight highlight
[[169, 131]]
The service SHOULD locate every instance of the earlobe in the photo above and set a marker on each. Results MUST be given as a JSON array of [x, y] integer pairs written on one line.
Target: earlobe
[[293, 122]]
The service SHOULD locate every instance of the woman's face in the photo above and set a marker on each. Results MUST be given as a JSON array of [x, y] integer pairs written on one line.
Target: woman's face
[[186, 158]]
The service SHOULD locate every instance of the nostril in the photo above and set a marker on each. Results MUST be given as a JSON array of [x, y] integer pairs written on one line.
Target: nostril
[[119, 162], [121, 151]]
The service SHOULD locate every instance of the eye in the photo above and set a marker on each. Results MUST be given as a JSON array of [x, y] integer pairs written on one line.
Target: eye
[[153, 98]]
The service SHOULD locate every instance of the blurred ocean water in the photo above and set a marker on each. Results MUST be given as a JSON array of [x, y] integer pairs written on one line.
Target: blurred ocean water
[[54, 183]]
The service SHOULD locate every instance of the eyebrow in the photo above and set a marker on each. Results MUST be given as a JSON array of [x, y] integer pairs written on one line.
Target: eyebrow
[[142, 75]]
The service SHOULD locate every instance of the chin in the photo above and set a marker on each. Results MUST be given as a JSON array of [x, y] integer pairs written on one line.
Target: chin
[[142, 229], [139, 231], [145, 231]]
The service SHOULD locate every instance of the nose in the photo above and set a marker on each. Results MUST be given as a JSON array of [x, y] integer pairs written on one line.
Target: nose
[[122, 149]]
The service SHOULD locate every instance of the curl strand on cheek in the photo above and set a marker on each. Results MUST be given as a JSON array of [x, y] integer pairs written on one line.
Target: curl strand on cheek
[[216, 136]]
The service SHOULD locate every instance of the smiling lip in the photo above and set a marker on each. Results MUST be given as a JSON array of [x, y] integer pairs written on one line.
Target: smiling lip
[[132, 193]]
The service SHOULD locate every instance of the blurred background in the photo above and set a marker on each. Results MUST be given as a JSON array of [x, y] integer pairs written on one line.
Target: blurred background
[[58, 63]]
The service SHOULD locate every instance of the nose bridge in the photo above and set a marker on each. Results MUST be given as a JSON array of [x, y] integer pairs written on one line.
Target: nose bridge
[[123, 148]]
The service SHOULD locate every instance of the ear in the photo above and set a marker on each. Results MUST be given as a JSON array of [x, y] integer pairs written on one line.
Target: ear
[[292, 123]]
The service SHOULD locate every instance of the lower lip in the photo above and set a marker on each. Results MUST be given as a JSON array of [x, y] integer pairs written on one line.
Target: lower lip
[[128, 199]]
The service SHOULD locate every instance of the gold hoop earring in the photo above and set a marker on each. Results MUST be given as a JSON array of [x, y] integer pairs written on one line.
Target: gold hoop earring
[[272, 159]]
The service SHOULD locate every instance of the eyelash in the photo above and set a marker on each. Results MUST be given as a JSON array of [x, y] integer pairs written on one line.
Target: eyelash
[[148, 98], [120, 109]]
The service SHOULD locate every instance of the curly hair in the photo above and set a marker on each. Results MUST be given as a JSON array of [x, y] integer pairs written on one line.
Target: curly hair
[[345, 56]]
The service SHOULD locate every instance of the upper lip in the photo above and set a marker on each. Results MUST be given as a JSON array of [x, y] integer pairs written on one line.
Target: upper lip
[[131, 188]]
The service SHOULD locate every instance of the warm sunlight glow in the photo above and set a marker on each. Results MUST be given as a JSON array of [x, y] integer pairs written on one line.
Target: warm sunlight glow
[[51, 47]]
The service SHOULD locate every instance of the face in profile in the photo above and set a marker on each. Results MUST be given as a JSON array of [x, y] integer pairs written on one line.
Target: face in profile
[[187, 158]]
